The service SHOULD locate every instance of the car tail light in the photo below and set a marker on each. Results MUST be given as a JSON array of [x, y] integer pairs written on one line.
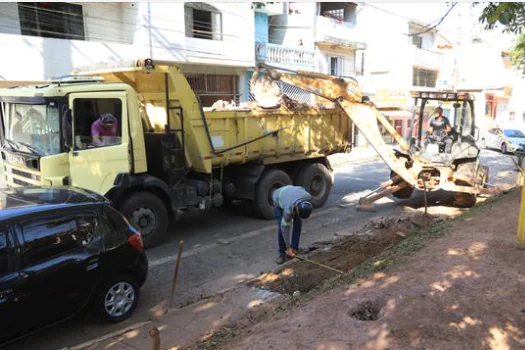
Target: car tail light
[[136, 241]]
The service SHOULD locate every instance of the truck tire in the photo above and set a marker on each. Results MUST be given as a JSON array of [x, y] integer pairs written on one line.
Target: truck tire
[[404, 193], [316, 179], [148, 214], [270, 180]]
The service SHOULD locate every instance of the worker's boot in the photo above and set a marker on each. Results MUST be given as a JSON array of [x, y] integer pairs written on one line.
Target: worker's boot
[[281, 259]]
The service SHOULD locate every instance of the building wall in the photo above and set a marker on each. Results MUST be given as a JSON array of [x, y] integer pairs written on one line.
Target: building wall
[[290, 28], [261, 27], [347, 55], [124, 31]]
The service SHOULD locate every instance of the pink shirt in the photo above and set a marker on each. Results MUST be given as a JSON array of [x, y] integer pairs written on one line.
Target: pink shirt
[[98, 130]]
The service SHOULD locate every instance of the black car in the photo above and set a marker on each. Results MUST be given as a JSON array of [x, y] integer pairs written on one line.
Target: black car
[[61, 250]]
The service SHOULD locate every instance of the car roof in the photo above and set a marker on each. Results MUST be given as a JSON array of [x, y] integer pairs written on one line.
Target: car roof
[[21, 201]]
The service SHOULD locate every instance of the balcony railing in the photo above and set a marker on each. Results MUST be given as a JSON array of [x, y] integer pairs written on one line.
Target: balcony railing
[[428, 59], [332, 31], [285, 56]]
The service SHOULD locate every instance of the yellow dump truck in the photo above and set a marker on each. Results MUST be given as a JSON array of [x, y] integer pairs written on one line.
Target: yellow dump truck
[[164, 153]]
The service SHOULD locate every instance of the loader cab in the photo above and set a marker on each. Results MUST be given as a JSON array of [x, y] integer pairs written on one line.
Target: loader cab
[[458, 141]]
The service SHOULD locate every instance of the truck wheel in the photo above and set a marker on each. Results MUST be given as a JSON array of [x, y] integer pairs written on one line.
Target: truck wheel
[[270, 180], [404, 193], [148, 214], [316, 179]]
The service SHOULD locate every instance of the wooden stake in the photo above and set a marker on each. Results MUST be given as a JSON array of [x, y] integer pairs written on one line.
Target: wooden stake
[[155, 338], [176, 274]]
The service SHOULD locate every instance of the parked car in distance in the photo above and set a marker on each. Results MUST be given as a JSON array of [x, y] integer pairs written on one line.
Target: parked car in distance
[[494, 139], [62, 250]]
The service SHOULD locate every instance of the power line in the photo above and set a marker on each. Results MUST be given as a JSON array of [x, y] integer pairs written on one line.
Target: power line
[[437, 24]]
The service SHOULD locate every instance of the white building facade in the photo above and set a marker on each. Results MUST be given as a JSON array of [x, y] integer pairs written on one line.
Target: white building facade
[[213, 43]]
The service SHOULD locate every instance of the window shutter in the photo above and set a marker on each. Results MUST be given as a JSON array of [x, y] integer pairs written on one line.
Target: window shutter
[[188, 21], [216, 25]]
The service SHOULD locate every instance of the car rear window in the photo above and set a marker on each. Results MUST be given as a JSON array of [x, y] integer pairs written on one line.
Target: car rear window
[[115, 228], [116, 219]]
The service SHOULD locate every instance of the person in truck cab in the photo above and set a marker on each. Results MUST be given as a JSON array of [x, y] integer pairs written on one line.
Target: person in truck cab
[[104, 130], [439, 130], [291, 205]]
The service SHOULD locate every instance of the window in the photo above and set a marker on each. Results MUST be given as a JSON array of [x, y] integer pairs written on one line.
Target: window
[[340, 11], [113, 227], [213, 87], [52, 20], [91, 129], [424, 77], [335, 66], [47, 239], [4, 254], [417, 41], [203, 21]]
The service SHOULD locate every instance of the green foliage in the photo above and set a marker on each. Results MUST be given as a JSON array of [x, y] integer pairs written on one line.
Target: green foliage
[[511, 15], [260, 5], [518, 53]]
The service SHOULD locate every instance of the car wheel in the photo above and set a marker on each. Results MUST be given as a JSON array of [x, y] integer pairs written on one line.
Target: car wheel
[[117, 298], [504, 148]]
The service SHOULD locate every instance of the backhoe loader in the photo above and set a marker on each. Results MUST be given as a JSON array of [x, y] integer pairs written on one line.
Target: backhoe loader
[[413, 165]]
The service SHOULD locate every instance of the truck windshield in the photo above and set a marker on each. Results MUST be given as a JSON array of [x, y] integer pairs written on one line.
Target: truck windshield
[[32, 128]]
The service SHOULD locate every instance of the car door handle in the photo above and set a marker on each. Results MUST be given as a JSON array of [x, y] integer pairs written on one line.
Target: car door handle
[[5, 294], [92, 263], [75, 154]]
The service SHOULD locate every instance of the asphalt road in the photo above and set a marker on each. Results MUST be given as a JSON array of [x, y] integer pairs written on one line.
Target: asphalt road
[[227, 246]]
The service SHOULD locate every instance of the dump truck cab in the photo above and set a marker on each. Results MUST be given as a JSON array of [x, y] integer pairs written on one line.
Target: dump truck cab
[[44, 134]]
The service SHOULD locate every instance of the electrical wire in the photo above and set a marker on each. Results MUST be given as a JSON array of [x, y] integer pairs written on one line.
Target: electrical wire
[[437, 24]]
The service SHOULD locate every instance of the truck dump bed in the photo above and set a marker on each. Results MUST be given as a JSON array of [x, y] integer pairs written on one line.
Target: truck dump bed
[[220, 138]]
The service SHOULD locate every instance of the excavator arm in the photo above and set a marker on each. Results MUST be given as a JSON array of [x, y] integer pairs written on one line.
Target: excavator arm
[[346, 93]]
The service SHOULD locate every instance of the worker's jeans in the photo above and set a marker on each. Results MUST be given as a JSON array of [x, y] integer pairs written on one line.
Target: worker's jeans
[[296, 231]]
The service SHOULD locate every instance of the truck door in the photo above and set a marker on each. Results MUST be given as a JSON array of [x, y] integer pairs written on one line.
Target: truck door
[[100, 151]]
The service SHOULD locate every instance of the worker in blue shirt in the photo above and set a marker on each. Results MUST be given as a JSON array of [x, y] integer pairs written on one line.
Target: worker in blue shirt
[[291, 205]]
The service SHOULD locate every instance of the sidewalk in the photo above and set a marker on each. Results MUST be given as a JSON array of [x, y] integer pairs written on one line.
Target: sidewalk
[[187, 325]]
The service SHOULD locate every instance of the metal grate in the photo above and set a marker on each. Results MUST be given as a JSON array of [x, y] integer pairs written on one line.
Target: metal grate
[[293, 92]]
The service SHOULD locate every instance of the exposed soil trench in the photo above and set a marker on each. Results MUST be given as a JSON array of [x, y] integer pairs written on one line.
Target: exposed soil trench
[[345, 254]]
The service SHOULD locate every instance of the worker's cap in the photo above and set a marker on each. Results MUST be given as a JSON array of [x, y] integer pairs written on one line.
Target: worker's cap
[[305, 209], [108, 118]]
